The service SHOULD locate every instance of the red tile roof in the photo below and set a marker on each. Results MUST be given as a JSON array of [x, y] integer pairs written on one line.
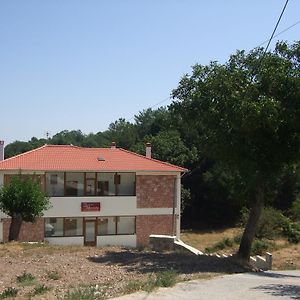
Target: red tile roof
[[73, 158]]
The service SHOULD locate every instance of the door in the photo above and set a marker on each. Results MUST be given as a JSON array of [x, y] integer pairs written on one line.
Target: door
[[90, 233]]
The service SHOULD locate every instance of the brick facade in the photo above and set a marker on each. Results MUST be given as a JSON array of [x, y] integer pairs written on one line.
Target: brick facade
[[153, 191], [29, 232], [152, 224]]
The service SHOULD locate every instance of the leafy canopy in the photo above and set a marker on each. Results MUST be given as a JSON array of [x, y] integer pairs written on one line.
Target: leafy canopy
[[247, 110], [23, 196]]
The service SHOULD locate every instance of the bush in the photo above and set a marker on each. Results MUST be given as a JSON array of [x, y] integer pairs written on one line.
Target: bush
[[85, 293], [54, 275], [270, 224], [26, 279], [292, 232], [259, 247], [166, 278], [295, 210], [9, 293], [40, 289], [224, 243]]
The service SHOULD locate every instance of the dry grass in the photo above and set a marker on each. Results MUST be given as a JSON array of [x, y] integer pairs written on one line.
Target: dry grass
[[286, 255], [207, 238]]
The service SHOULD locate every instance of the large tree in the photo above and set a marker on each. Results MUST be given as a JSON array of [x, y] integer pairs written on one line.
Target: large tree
[[247, 113], [22, 200]]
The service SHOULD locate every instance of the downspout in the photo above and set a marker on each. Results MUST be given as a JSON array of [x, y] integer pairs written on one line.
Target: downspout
[[173, 209]]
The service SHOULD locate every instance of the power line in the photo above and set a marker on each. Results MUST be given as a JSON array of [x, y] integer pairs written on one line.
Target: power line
[[278, 21], [279, 33], [160, 102], [269, 41]]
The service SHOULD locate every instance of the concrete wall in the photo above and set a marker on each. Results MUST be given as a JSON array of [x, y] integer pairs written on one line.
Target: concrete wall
[[77, 240], [117, 240]]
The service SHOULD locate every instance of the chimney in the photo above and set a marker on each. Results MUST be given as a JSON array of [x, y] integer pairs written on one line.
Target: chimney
[[113, 145], [1, 150], [148, 150]]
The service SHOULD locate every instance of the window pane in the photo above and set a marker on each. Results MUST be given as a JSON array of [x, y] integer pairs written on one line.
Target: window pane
[[105, 184], [74, 184], [54, 227], [73, 226], [127, 184], [55, 184], [106, 226], [126, 225]]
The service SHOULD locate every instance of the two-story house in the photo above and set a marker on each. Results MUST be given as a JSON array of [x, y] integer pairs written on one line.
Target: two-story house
[[99, 196]]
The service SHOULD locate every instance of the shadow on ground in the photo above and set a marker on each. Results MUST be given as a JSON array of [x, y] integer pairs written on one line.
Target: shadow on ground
[[148, 262], [293, 291], [275, 275]]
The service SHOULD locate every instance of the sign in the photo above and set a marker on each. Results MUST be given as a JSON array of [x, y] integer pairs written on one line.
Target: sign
[[90, 206]]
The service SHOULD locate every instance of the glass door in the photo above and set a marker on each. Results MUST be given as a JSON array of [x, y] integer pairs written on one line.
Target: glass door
[[90, 232]]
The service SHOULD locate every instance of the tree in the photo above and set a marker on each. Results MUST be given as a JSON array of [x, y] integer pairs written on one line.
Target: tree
[[247, 113], [22, 200]]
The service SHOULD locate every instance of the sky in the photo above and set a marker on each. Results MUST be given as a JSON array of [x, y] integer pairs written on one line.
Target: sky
[[70, 64]]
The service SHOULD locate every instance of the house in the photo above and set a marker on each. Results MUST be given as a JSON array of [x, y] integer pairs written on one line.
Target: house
[[99, 196]]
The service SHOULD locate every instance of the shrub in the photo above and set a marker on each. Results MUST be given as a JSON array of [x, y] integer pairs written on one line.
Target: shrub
[[292, 232], [270, 224], [9, 293], [85, 293], [40, 289], [54, 275], [295, 210], [26, 279], [166, 278], [261, 246], [224, 243]]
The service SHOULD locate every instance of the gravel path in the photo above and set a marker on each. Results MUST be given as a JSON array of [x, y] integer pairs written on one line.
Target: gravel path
[[262, 285]]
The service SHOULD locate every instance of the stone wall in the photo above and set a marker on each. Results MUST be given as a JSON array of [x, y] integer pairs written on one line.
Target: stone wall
[[153, 191], [30, 232]]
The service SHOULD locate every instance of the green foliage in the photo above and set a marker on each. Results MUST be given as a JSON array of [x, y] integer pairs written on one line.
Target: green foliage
[[295, 210], [85, 293], [274, 224], [54, 275], [26, 279], [259, 247], [40, 289], [23, 196], [9, 292], [221, 245], [165, 278], [270, 224], [292, 232]]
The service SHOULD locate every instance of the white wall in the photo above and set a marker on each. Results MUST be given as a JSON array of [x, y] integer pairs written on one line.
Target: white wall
[[116, 240], [77, 240], [110, 206]]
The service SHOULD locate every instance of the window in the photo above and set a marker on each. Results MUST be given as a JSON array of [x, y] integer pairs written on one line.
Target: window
[[54, 227], [126, 225], [106, 226], [105, 184], [55, 184], [73, 226], [126, 185], [103, 188], [74, 184]]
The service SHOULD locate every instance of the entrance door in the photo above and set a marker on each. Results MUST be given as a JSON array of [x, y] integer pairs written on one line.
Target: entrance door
[[90, 232]]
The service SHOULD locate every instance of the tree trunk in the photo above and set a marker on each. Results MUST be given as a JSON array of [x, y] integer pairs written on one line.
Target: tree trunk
[[249, 232], [15, 226]]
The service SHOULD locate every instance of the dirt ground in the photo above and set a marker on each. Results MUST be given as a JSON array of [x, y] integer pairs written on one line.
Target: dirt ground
[[112, 268]]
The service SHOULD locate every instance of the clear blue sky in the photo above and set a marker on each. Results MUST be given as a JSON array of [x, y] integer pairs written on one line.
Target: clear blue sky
[[83, 64]]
